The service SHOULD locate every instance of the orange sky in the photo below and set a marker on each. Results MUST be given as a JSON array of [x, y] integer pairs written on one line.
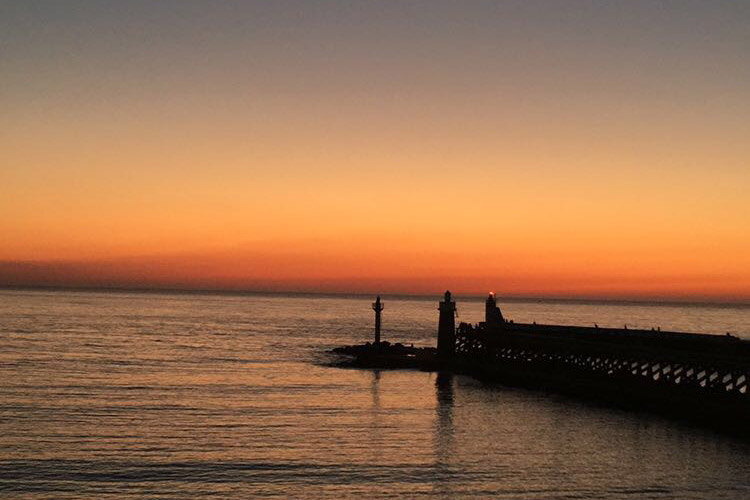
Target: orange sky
[[589, 152]]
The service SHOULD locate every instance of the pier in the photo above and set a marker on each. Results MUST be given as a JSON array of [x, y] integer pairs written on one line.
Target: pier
[[696, 377], [700, 378]]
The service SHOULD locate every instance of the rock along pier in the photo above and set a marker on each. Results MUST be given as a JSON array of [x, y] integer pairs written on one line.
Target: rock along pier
[[696, 377]]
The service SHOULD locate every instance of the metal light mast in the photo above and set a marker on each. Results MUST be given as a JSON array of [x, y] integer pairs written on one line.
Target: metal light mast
[[377, 306]]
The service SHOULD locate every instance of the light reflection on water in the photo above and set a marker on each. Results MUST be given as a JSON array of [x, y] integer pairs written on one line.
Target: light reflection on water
[[114, 395]]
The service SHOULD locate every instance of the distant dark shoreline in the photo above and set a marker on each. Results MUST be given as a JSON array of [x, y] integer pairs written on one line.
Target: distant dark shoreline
[[361, 295]]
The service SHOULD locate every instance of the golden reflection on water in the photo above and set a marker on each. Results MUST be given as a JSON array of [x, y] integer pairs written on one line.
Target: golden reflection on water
[[174, 396]]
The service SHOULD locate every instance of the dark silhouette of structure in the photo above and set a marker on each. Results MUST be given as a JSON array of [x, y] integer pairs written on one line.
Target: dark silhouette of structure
[[701, 378], [492, 315], [697, 377], [377, 306], [446, 344]]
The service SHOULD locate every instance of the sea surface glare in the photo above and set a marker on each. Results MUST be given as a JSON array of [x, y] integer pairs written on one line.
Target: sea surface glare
[[135, 395]]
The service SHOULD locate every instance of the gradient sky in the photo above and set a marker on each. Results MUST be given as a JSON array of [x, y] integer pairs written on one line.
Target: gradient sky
[[579, 148]]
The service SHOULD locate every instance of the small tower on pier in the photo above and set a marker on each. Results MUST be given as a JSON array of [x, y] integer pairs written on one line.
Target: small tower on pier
[[446, 344], [492, 314], [377, 306]]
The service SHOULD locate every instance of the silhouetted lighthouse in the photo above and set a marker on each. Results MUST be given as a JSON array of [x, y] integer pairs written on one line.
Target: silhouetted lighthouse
[[377, 306], [492, 314], [446, 344]]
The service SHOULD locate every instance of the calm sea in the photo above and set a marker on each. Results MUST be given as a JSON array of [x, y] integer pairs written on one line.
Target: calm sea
[[134, 395]]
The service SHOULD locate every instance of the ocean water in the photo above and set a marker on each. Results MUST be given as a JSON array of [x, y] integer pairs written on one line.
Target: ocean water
[[135, 395]]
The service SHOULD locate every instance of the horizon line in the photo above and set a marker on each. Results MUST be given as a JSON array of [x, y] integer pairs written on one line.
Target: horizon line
[[320, 293]]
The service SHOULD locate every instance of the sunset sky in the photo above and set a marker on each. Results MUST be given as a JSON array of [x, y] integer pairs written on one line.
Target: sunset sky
[[566, 149]]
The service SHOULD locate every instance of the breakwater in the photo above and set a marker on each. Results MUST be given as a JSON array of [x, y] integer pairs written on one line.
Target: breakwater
[[697, 377], [701, 378]]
